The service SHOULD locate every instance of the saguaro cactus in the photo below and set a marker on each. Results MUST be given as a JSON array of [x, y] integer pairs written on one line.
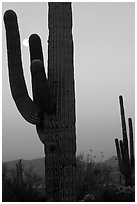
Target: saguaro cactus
[[19, 171], [52, 109], [124, 153]]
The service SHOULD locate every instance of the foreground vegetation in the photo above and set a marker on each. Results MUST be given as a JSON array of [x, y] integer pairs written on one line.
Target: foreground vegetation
[[95, 182]]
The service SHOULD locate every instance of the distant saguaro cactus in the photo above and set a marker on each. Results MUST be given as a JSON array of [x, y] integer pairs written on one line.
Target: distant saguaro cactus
[[52, 109], [125, 153], [19, 171]]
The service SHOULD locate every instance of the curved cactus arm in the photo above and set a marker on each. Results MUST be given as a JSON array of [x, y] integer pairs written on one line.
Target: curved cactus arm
[[132, 159], [28, 109]]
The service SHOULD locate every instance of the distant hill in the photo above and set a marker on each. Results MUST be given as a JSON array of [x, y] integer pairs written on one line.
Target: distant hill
[[38, 164], [113, 162]]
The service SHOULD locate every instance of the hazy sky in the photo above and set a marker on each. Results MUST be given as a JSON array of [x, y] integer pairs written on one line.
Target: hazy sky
[[104, 63]]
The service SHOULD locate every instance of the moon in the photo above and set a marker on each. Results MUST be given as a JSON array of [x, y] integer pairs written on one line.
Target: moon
[[26, 42]]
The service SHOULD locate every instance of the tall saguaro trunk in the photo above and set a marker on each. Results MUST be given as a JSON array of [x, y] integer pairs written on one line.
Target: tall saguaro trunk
[[60, 145], [52, 109]]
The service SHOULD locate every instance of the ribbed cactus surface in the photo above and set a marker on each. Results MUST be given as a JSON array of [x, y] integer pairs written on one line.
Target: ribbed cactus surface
[[60, 127], [52, 109], [125, 148]]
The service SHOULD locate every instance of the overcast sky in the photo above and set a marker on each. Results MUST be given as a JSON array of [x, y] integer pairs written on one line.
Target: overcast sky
[[104, 38]]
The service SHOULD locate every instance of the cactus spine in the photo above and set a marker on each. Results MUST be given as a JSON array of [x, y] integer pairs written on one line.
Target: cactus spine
[[52, 109], [125, 157]]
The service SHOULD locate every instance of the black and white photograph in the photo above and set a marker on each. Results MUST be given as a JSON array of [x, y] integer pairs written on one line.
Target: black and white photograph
[[68, 101]]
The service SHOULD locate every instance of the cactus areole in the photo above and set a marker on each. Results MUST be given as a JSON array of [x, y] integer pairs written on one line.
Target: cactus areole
[[52, 109]]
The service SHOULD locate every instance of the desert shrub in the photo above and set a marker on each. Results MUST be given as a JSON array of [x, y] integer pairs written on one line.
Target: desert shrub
[[88, 198], [118, 194], [90, 176], [99, 181], [126, 194], [111, 193]]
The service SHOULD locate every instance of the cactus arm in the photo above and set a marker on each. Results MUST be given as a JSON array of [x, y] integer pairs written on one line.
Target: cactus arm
[[124, 166], [118, 149], [124, 130], [122, 151], [28, 109], [40, 89], [35, 48], [120, 162], [132, 162]]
